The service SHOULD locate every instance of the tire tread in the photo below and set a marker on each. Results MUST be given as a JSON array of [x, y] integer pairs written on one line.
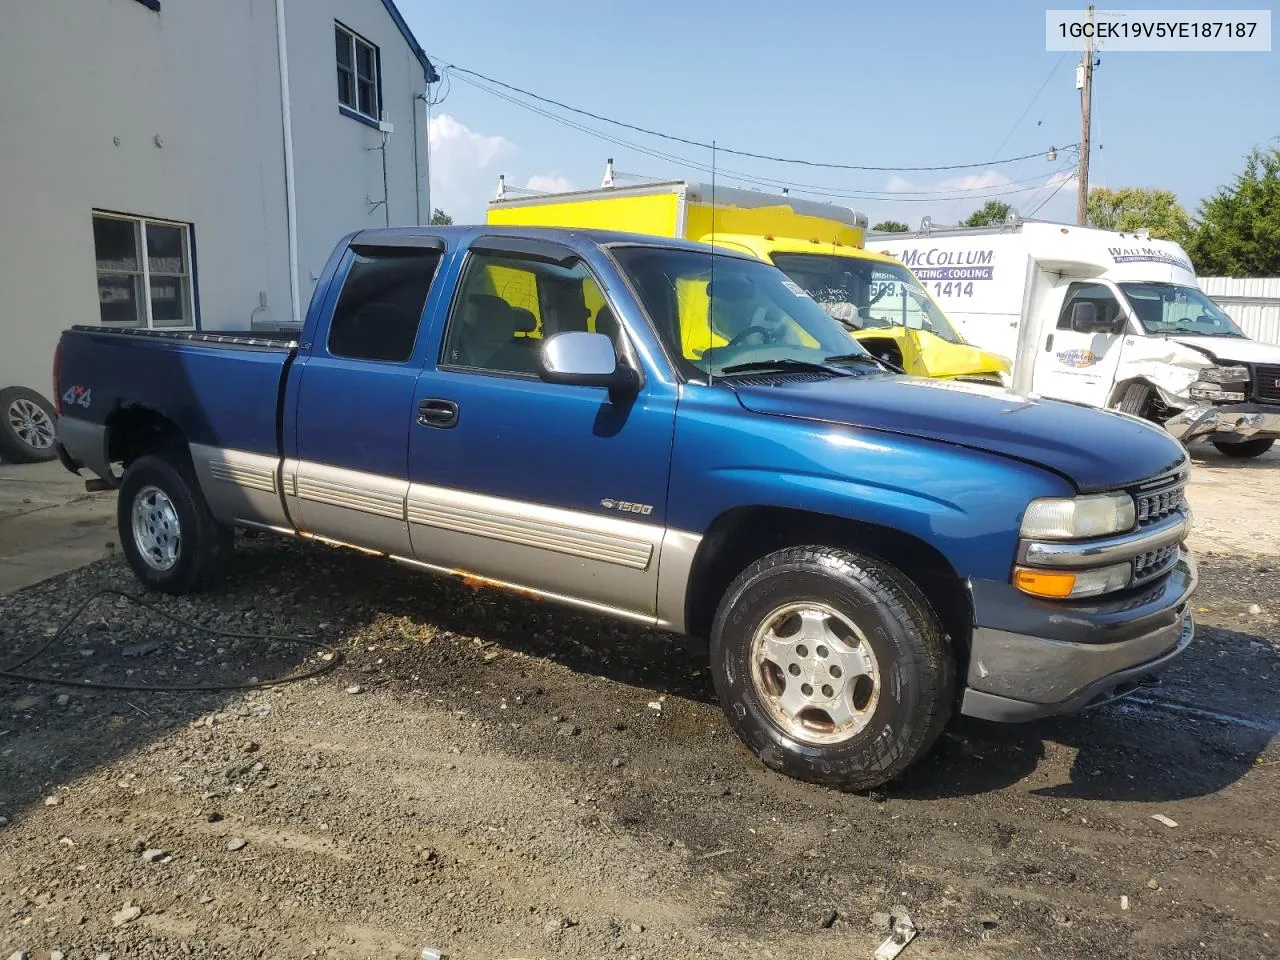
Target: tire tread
[[906, 603]]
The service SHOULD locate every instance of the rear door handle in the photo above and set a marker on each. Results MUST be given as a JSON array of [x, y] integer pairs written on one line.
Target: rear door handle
[[434, 412], [1048, 343]]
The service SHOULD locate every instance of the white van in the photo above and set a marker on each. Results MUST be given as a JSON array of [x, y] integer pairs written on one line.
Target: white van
[[1112, 320]]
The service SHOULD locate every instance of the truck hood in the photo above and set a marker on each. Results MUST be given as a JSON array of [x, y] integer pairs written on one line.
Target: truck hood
[[1233, 349], [1094, 449]]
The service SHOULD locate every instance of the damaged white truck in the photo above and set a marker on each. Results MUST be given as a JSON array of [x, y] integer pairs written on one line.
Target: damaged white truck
[[1112, 320]]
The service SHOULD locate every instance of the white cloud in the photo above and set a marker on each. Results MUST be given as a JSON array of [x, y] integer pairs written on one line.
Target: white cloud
[[549, 183], [464, 167], [987, 181], [968, 192]]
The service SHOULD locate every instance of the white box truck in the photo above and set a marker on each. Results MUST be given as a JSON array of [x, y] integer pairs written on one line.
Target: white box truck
[[1113, 320]]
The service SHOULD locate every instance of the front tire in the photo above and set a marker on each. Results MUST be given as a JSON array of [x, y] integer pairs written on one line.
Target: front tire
[[1244, 449], [169, 537], [831, 666], [1135, 400]]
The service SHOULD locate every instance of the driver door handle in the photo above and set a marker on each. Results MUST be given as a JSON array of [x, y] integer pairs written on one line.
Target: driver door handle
[[1048, 343], [434, 412]]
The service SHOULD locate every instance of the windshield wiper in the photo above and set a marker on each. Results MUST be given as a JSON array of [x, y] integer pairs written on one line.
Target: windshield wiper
[[865, 358], [784, 363], [1199, 333]]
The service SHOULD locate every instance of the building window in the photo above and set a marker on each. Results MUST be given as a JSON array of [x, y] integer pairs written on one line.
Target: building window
[[358, 73], [144, 272]]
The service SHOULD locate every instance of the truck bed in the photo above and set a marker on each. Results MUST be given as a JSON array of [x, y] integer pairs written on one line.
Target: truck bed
[[222, 389], [260, 339]]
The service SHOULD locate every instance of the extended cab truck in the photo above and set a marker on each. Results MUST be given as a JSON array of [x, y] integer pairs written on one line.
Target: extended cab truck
[[865, 551], [1113, 320], [818, 245]]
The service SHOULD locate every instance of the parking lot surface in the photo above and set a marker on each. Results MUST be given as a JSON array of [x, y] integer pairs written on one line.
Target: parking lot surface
[[500, 778]]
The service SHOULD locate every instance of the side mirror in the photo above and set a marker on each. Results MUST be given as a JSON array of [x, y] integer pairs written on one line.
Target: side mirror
[[1084, 319], [584, 359]]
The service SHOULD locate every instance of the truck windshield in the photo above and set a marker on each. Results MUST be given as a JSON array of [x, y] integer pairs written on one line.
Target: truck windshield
[[864, 293], [717, 313], [1165, 308]]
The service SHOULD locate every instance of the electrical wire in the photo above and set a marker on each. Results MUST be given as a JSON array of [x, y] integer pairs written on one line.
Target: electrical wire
[[1063, 183], [1027, 109], [921, 196], [12, 671], [740, 153]]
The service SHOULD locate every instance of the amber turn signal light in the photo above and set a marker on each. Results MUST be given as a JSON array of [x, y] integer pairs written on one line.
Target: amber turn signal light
[[1054, 584]]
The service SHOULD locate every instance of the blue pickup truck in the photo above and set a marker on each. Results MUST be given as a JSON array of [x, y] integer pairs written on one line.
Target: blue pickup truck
[[866, 552]]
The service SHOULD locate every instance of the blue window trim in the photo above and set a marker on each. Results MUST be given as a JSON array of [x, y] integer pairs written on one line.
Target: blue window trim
[[356, 115], [195, 274], [191, 245], [352, 112], [428, 71], [151, 4]]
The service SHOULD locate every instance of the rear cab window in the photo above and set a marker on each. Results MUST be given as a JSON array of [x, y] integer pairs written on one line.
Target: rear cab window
[[379, 308]]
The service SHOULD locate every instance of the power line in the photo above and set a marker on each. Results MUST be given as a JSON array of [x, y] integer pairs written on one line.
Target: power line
[[739, 153], [1031, 103], [1062, 183], [989, 191], [1022, 116]]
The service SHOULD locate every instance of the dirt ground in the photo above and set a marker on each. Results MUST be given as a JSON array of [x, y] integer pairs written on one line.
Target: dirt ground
[[502, 779]]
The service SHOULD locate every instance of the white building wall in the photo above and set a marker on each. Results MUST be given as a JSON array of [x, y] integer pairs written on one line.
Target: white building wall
[[177, 115], [1253, 303], [337, 166]]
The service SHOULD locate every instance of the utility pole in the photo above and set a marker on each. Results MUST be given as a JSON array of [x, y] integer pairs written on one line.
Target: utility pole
[[1086, 115]]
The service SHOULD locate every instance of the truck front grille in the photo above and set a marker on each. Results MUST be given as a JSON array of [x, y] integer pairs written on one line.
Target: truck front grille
[[1154, 562], [1155, 505], [1266, 382]]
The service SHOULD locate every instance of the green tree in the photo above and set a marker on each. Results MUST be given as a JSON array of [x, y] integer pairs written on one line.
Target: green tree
[[1137, 208], [991, 212], [891, 226], [1237, 230], [440, 219]]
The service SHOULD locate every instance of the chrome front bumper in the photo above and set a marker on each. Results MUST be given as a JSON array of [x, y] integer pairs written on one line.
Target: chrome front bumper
[[1095, 656], [1237, 421]]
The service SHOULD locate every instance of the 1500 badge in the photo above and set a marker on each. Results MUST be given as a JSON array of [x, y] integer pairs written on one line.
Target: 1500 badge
[[626, 506]]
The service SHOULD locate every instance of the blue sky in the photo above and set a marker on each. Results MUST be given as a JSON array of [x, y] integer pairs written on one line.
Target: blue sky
[[902, 84]]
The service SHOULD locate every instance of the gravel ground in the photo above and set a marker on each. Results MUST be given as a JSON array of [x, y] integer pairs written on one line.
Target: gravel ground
[[499, 778]]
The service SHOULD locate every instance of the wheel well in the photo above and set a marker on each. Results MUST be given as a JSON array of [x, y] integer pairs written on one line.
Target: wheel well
[[1154, 409], [741, 536], [134, 432]]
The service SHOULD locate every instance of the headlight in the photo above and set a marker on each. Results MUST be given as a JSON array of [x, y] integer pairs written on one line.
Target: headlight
[[1224, 374], [1078, 518], [1212, 391], [1072, 584]]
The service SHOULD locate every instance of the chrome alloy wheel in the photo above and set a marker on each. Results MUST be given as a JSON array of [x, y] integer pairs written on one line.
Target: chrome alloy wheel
[[31, 424], [815, 673], [156, 531]]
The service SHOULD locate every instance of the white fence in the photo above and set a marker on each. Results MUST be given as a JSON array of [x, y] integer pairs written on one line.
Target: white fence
[[1252, 303]]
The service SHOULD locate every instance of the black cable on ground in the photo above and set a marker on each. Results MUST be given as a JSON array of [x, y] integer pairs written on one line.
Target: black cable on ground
[[11, 671]]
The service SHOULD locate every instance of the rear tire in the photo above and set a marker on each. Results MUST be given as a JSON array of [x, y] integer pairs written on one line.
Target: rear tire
[[831, 667], [1244, 449], [27, 426], [169, 537]]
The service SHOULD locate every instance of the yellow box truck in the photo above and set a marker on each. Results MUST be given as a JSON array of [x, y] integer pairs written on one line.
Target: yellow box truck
[[818, 245], [683, 208]]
